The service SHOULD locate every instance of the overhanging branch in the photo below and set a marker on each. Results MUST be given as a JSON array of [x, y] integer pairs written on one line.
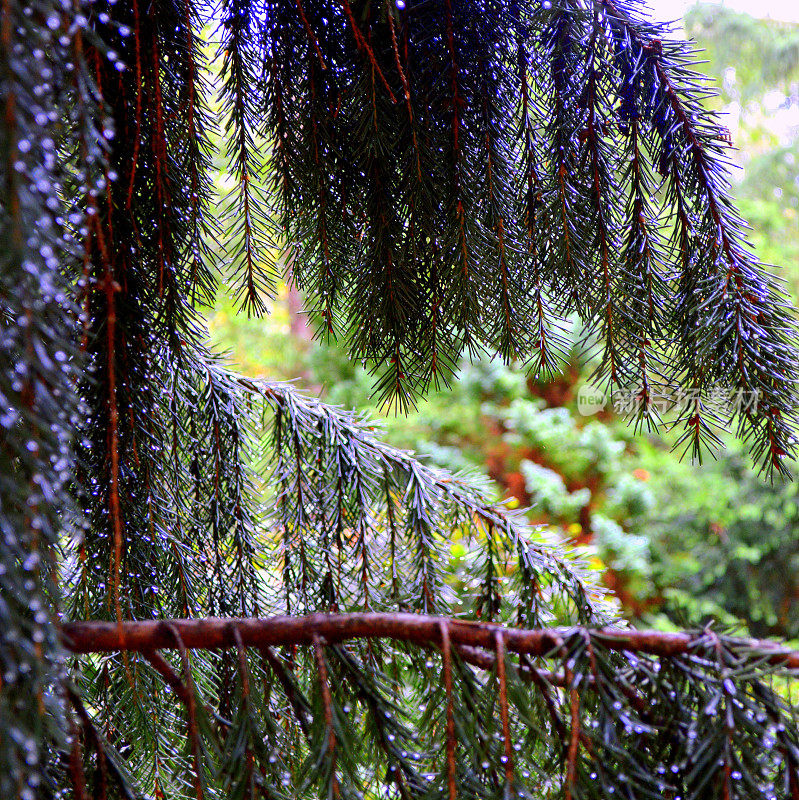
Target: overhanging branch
[[216, 633]]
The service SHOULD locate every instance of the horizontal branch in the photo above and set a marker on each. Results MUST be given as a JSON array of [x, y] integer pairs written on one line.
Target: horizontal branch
[[214, 633]]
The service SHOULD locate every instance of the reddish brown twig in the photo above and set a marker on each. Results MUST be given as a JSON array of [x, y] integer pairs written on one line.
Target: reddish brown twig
[[191, 709], [407, 89], [574, 742], [171, 678], [244, 674], [91, 734], [311, 37], [364, 47], [503, 707], [327, 701], [76, 772], [213, 633], [295, 701], [446, 655]]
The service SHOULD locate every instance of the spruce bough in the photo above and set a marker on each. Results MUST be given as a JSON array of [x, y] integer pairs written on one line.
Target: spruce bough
[[447, 177]]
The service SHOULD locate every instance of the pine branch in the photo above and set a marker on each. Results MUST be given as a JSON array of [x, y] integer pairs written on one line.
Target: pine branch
[[39, 366], [620, 721], [98, 637], [434, 502], [747, 332], [505, 233], [244, 214], [451, 175]]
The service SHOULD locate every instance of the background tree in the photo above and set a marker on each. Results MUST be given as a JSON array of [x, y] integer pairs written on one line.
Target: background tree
[[452, 176], [756, 61]]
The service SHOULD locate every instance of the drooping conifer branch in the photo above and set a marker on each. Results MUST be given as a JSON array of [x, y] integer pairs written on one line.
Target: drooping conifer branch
[[613, 685], [215, 633], [745, 338], [43, 90], [244, 213], [358, 476], [351, 167]]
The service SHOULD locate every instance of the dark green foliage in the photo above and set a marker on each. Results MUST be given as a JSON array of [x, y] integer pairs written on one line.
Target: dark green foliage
[[452, 176], [724, 546], [376, 516], [38, 366], [513, 191]]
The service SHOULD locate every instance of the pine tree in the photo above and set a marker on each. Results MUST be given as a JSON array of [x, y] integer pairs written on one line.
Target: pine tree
[[217, 587]]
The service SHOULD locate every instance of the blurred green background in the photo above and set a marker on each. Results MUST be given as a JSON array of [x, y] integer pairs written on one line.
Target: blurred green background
[[678, 544]]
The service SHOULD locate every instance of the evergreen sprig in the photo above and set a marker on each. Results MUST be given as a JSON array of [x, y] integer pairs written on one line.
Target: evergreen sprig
[[364, 525], [43, 87], [474, 710], [583, 175]]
